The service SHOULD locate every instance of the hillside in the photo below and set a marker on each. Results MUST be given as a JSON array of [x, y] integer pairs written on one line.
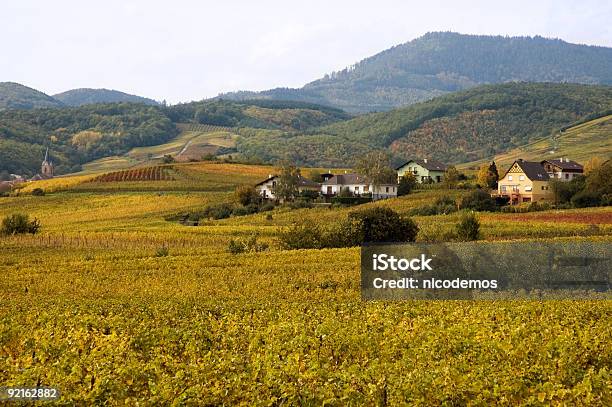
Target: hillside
[[461, 127], [86, 96], [125, 132], [16, 96], [442, 62], [579, 142]]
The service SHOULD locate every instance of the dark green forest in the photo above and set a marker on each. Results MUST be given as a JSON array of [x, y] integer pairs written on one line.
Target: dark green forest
[[456, 128], [78, 135], [86, 96], [16, 96], [442, 62]]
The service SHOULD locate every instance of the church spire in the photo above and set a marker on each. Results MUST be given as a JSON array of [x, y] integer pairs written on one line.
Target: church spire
[[47, 155]]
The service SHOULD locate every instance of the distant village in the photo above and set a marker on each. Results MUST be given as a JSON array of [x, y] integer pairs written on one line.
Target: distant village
[[46, 172], [524, 181]]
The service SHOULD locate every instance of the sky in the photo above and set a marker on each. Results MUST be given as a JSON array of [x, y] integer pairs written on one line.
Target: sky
[[182, 50]]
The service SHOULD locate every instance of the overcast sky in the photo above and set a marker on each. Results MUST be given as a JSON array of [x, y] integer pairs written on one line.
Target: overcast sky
[[188, 50]]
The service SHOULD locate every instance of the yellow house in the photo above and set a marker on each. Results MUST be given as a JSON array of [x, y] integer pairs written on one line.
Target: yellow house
[[525, 181]]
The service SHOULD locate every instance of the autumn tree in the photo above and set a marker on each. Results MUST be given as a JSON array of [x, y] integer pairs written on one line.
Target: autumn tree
[[288, 182], [488, 175], [592, 164], [451, 177], [376, 167]]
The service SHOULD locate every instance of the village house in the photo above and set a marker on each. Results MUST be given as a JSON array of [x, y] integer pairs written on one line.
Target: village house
[[525, 181], [563, 169], [267, 187], [424, 171], [357, 185]]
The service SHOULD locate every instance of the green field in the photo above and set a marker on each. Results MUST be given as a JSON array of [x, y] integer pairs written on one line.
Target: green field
[[91, 306]]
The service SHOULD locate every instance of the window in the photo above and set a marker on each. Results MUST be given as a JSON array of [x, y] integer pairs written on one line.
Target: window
[[273, 183], [566, 176], [528, 188], [521, 178], [542, 187], [357, 189], [386, 189], [509, 177], [503, 188], [366, 188], [526, 199]]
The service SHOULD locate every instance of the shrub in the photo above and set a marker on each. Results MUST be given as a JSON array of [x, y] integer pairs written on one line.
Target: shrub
[[162, 251], [168, 159], [246, 245], [380, 224], [478, 200], [220, 211], [345, 192], [406, 185], [301, 236], [19, 223], [247, 195], [269, 217], [442, 206], [585, 199], [300, 203], [309, 194], [351, 200], [468, 228], [38, 192]]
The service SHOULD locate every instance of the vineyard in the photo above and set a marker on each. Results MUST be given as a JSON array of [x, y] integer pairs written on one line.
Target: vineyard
[[157, 173], [93, 306]]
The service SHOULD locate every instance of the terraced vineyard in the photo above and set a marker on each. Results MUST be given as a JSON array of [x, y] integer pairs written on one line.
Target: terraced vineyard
[[93, 306], [158, 173]]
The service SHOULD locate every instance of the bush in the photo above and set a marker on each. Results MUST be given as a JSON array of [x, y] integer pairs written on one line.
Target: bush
[[247, 195], [442, 206], [380, 224], [19, 223], [468, 228], [163, 251], [220, 211], [269, 217], [406, 185], [168, 159], [377, 224], [478, 200], [300, 203], [309, 194], [301, 236], [351, 200], [247, 245], [38, 192], [584, 199]]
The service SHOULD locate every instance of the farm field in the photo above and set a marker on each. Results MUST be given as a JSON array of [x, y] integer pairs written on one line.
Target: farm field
[[90, 306]]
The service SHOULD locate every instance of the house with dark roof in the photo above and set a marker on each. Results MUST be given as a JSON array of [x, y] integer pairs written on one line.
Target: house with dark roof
[[425, 170], [357, 185], [525, 181], [563, 169], [267, 187]]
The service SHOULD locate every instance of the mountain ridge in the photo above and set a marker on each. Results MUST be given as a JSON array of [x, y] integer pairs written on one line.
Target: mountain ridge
[[441, 62]]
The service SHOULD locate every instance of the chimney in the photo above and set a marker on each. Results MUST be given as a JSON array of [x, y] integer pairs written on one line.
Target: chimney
[[270, 176], [425, 160]]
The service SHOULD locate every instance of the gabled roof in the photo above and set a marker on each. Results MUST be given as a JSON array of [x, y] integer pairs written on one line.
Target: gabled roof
[[346, 179], [302, 182], [532, 169], [565, 164], [350, 179], [431, 165]]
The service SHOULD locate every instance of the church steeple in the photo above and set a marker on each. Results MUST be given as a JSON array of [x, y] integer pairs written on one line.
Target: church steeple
[[47, 166]]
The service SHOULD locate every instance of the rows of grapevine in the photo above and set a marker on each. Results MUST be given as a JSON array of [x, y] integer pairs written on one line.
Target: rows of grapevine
[[157, 173], [202, 128]]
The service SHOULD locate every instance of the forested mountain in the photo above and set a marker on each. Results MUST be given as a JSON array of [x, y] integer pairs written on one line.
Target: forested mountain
[[86, 96], [16, 96], [442, 62], [81, 134], [460, 127]]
